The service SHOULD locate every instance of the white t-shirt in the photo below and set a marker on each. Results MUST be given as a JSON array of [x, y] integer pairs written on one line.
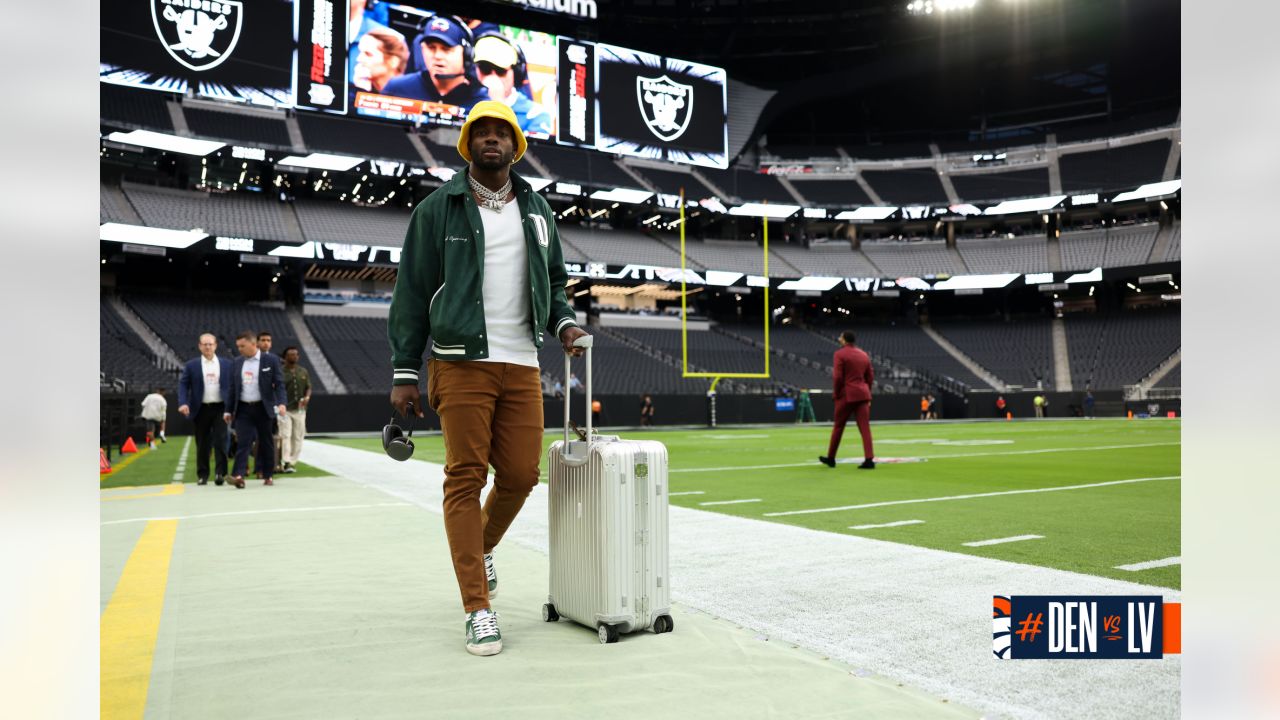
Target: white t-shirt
[[212, 371], [249, 390], [507, 310]]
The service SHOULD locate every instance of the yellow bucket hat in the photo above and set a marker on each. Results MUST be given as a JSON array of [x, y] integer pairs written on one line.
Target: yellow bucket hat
[[491, 109]]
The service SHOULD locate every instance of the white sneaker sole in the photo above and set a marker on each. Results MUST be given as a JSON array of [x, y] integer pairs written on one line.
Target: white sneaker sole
[[485, 649], [493, 593]]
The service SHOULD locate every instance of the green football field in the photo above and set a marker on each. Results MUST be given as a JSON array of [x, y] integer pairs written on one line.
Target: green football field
[[1026, 477]]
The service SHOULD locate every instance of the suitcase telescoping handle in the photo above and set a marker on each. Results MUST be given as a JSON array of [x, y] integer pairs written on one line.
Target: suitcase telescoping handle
[[583, 342]]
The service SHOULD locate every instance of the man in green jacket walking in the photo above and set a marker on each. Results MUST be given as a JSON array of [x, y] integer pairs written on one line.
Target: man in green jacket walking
[[482, 276]]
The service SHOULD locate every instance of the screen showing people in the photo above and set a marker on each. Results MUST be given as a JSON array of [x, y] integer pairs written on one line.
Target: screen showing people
[[412, 64]]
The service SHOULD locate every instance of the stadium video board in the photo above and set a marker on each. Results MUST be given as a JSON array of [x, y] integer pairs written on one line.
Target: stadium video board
[[396, 62], [236, 50]]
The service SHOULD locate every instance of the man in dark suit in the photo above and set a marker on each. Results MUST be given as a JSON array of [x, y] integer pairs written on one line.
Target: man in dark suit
[[204, 383], [255, 397], [853, 377]]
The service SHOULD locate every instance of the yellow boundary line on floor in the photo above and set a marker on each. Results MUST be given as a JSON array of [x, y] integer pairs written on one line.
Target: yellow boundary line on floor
[[131, 623], [124, 463], [170, 489]]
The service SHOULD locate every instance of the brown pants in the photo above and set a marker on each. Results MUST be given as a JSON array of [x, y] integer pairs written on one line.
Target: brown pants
[[491, 414]]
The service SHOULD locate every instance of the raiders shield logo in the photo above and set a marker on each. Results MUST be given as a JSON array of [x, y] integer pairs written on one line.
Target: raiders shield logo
[[665, 105], [200, 34]]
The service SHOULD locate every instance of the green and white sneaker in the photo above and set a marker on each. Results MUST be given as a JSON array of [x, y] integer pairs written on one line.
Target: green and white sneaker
[[483, 637], [491, 575]]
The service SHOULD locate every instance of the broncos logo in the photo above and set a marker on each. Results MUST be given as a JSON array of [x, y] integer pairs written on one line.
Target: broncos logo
[[1001, 626]]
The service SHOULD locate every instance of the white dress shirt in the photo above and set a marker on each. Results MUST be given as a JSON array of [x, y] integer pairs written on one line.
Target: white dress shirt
[[249, 390], [211, 369]]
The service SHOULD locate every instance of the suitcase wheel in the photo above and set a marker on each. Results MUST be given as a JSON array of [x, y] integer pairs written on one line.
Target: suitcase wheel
[[663, 624], [608, 634], [549, 613]]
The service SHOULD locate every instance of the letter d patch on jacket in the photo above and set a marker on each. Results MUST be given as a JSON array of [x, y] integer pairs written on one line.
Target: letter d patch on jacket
[[540, 226]]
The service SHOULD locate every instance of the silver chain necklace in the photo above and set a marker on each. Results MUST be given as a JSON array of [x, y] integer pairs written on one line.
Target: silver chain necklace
[[490, 199]]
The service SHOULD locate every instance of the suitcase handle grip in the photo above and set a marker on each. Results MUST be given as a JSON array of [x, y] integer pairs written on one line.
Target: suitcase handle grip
[[586, 341]]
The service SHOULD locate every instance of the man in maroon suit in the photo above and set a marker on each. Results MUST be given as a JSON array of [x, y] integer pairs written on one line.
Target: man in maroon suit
[[853, 376]]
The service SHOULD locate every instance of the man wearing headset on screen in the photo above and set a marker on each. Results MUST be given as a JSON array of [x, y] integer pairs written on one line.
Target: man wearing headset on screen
[[501, 66], [446, 69]]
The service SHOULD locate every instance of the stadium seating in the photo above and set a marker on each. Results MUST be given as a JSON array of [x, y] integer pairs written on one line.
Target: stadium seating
[[743, 256], [618, 247], [748, 186], [253, 129], [179, 322], [1002, 185], [125, 356], [325, 221], [1114, 168], [113, 206], [912, 258], [357, 349], [717, 352], [888, 151], [1024, 254], [832, 193], [233, 214], [1174, 251], [359, 138], [1111, 351], [916, 186], [1018, 352], [671, 182], [831, 259], [1107, 247], [1171, 379], [582, 166], [143, 108]]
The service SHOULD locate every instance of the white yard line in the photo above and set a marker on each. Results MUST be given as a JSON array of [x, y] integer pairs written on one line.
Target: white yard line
[[936, 457], [687, 492], [896, 523], [1003, 540], [730, 502], [1151, 564], [919, 615], [887, 503], [257, 512]]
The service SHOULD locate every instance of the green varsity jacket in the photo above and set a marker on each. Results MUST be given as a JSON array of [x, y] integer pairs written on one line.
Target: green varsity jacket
[[439, 288]]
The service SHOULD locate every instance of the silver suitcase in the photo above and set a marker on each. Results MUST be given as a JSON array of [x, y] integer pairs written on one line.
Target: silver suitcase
[[608, 530]]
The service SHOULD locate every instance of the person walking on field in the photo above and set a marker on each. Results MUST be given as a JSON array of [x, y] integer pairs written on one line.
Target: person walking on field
[[852, 377], [482, 277]]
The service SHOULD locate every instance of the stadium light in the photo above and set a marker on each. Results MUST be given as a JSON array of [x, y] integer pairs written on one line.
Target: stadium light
[[155, 237], [322, 161], [768, 210], [821, 284], [565, 188], [1094, 275], [169, 143], [632, 197], [1150, 190], [1038, 278], [537, 183], [867, 213], [928, 7], [722, 278], [972, 282], [757, 281], [306, 250], [1039, 204], [1086, 199], [815, 213]]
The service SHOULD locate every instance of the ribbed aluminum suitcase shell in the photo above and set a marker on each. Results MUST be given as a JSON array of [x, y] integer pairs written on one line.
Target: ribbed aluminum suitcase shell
[[608, 529], [608, 533]]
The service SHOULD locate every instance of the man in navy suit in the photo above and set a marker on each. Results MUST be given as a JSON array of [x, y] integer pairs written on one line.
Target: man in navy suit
[[256, 396], [204, 383]]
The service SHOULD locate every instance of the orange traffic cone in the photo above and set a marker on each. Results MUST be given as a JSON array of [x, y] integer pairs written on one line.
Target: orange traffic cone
[[1008, 415], [104, 465], [128, 446], [1130, 414]]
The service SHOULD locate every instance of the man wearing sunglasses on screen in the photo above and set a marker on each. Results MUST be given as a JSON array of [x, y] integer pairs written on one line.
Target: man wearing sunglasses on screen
[[501, 68]]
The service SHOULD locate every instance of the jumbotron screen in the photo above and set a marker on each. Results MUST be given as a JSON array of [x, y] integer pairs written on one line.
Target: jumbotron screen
[[410, 64]]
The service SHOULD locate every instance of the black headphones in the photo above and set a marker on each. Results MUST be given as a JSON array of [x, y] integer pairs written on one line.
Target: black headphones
[[395, 442], [468, 47], [522, 66]]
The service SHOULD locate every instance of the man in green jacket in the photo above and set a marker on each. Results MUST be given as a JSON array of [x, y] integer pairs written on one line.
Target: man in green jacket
[[483, 277]]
